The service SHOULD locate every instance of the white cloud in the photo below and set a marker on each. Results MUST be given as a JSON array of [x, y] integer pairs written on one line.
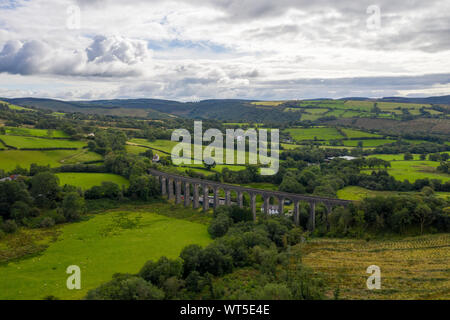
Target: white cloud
[[105, 57], [223, 48]]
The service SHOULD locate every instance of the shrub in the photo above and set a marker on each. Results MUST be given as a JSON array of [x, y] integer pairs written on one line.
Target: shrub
[[126, 287], [46, 222], [220, 225], [9, 226], [158, 272]]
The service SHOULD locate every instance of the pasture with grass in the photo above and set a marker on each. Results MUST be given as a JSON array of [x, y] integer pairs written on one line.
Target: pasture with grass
[[106, 243], [9, 159], [320, 133], [88, 180], [22, 142]]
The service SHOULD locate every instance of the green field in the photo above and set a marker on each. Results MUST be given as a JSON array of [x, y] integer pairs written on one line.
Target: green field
[[413, 170], [352, 109], [9, 159], [267, 103], [359, 193], [43, 133], [108, 243], [167, 146], [288, 146], [21, 142], [135, 149], [88, 180], [368, 142], [15, 107], [351, 134], [392, 157], [164, 145], [320, 133]]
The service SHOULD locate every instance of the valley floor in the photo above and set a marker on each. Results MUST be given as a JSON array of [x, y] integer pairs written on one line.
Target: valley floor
[[116, 241]]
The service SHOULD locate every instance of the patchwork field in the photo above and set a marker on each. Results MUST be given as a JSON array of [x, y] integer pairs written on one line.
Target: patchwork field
[[88, 180], [22, 142], [355, 109], [114, 241], [411, 268], [167, 145], [267, 103], [9, 159]]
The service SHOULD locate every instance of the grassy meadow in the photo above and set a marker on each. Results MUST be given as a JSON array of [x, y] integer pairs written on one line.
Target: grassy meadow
[[358, 193], [22, 142], [107, 243], [367, 143], [9, 159], [355, 134], [413, 170], [88, 180], [411, 268], [43, 133], [321, 133]]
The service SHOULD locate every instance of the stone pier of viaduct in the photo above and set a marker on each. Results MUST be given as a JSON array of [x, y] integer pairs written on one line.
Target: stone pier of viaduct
[[172, 186]]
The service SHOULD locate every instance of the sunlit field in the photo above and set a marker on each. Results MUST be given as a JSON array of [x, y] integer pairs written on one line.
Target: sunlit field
[[111, 242]]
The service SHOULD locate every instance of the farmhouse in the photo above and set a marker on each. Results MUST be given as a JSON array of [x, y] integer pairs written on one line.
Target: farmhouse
[[10, 178]]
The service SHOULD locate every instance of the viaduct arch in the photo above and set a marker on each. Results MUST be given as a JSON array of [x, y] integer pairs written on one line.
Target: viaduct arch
[[172, 185]]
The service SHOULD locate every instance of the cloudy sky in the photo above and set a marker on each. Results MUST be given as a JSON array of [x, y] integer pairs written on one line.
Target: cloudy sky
[[197, 49]]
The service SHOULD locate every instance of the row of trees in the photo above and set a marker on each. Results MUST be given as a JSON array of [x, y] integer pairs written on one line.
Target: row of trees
[[40, 201], [381, 215]]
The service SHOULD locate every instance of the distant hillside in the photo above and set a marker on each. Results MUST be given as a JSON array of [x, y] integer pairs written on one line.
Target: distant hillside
[[236, 110], [427, 100], [232, 110], [430, 100]]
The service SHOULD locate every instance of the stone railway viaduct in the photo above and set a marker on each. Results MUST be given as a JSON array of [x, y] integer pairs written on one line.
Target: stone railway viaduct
[[171, 186]]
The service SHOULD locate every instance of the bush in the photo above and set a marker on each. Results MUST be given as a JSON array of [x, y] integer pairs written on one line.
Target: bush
[[158, 272], [220, 225], [9, 226], [126, 287], [73, 206], [46, 222]]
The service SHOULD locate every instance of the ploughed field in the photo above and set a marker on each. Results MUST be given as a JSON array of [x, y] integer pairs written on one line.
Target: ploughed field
[[33, 262]]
